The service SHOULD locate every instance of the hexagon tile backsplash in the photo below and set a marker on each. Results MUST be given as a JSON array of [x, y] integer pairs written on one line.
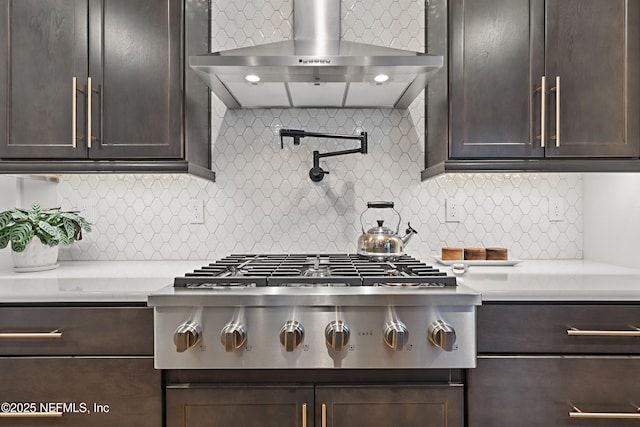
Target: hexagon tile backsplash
[[261, 205]]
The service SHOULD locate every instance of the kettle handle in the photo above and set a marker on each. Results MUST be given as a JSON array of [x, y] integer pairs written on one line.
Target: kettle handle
[[381, 205]]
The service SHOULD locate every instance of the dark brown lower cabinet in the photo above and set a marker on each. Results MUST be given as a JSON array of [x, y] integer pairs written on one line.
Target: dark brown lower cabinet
[[80, 391], [78, 366], [307, 405], [555, 391], [545, 364]]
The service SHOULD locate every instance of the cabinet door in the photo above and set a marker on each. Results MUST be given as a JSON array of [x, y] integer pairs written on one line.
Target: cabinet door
[[497, 60], [594, 47], [402, 406], [87, 392], [543, 391], [43, 45], [245, 405], [136, 70]]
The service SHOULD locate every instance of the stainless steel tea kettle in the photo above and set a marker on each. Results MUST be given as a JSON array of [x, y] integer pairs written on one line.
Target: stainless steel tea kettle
[[382, 243]]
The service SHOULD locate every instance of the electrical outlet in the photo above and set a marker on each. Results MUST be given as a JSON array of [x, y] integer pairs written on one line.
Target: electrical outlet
[[452, 209], [196, 211], [556, 209]]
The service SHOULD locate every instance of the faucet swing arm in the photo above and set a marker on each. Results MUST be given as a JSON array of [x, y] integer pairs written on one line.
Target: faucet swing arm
[[317, 173]]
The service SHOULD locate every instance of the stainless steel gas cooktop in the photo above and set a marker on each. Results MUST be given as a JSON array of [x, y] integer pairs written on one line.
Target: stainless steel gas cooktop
[[313, 311]]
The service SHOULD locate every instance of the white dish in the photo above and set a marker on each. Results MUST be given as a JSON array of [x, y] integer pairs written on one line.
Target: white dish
[[487, 262], [38, 268]]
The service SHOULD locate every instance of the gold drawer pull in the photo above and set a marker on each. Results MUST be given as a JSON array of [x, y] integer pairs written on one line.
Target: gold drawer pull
[[577, 413], [30, 414], [594, 333], [55, 334]]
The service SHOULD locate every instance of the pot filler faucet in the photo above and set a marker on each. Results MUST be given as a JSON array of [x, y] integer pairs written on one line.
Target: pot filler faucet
[[317, 173]]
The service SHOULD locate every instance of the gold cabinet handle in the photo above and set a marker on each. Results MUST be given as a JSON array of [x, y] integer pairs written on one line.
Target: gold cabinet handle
[[556, 89], [324, 415], [55, 334], [543, 110], [596, 333], [304, 415], [577, 413], [89, 91], [74, 110], [30, 414]]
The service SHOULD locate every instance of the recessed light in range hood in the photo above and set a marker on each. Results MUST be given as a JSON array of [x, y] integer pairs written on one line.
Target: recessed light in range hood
[[316, 69]]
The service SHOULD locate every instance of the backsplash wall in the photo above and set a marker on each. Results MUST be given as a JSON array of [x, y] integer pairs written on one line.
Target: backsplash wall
[[264, 201]]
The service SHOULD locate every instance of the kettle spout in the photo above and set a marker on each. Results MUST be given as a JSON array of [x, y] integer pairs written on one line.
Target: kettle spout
[[410, 232]]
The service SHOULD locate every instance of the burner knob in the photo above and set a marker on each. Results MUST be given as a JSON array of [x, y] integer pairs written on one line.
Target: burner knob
[[396, 334], [291, 335], [337, 334], [187, 335], [442, 335], [233, 336]]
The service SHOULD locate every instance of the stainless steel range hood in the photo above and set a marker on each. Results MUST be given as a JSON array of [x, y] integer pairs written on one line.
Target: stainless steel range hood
[[316, 69]]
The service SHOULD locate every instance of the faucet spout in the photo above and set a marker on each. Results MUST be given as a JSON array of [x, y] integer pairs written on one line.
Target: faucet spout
[[410, 232]]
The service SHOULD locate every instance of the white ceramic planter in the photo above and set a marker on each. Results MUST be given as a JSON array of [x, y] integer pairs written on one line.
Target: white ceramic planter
[[36, 257]]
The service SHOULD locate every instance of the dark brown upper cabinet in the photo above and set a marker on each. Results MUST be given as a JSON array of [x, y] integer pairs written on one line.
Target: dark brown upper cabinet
[[44, 45], [535, 78], [122, 56], [96, 80], [135, 65]]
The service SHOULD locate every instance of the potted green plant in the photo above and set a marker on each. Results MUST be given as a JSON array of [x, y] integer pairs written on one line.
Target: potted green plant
[[35, 235]]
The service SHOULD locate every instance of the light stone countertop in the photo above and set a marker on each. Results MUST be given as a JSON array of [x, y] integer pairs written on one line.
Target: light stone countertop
[[133, 281], [557, 280], [92, 281]]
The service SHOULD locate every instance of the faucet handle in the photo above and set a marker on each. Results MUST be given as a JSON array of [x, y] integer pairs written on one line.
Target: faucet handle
[[317, 173]]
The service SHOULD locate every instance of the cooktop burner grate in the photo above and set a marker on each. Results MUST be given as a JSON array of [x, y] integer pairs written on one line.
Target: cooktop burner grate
[[303, 270]]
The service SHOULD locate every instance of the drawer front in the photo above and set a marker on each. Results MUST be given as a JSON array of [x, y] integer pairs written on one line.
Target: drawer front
[[105, 331], [64, 391], [543, 329], [551, 391]]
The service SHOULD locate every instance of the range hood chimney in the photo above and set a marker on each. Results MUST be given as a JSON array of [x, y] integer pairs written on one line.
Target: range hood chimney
[[316, 69]]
